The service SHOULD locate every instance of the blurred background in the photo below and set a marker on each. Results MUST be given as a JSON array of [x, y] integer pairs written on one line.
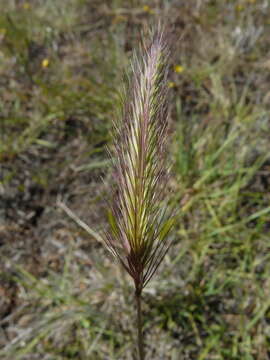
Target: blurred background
[[61, 295]]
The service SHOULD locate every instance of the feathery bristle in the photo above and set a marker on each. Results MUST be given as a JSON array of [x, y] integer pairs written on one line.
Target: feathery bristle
[[139, 221]]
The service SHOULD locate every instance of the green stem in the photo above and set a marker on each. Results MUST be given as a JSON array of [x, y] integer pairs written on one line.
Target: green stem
[[139, 326]]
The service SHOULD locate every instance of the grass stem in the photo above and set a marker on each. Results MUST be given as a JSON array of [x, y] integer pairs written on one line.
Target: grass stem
[[139, 326]]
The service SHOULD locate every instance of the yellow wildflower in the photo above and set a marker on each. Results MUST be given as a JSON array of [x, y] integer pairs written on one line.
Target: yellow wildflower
[[171, 84], [26, 5], [178, 69], [239, 7], [45, 63], [147, 9]]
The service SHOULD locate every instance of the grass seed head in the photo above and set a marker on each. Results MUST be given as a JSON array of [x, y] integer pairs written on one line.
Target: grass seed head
[[139, 218]]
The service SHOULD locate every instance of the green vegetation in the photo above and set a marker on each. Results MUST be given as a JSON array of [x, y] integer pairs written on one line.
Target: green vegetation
[[61, 297]]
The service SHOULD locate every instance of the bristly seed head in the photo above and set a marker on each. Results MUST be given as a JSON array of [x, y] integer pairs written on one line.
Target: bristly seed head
[[139, 219]]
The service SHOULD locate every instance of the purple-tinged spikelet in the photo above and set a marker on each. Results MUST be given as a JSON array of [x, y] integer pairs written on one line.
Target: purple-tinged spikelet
[[139, 219]]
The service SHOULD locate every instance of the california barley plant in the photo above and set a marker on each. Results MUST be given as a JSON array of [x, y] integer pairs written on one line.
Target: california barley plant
[[140, 221], [61, 296]]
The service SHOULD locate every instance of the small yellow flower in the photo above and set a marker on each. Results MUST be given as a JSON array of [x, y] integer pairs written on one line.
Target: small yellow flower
[[45, 63], [171, 84], [239, 7], [178, 69], [26, 6], [147, 9]]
